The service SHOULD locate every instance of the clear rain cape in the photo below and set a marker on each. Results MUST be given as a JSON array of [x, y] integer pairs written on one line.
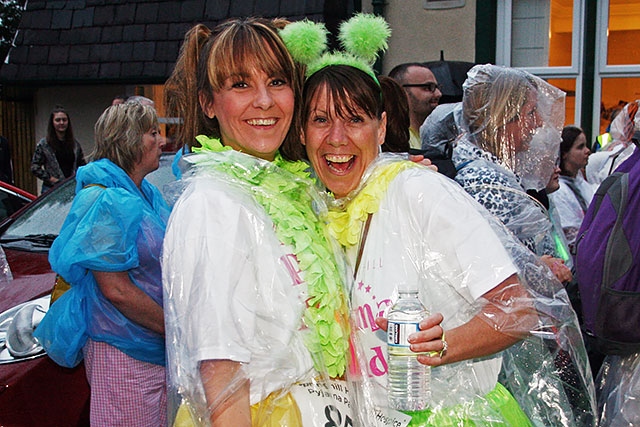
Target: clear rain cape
[[427, 230], [251, 277]]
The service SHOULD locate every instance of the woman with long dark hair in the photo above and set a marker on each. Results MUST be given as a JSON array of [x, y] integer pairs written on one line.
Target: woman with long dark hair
[[575, 193], [59, 154]]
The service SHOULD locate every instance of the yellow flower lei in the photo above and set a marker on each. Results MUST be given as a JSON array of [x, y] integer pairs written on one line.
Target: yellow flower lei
[[346, 225], [284, 189]]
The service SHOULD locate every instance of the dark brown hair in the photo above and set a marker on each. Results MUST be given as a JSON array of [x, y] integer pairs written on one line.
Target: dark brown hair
[[569, 135], [353, 91], [52, 138], [398, 122]]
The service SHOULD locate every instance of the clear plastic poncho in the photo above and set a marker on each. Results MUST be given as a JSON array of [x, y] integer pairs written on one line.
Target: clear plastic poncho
[[513, 123], [442, 127], [501, 192], [251, 280], [624, 128], [517, 117], [618, 390], [427, 232]]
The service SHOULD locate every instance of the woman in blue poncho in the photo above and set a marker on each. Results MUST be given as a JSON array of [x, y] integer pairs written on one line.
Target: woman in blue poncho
[[108, 250]]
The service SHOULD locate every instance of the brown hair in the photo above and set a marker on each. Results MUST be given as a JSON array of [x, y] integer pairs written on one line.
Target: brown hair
[[52, 138], [397, 108], [119, 132], [569, 136], [207, 58], [349, 88]]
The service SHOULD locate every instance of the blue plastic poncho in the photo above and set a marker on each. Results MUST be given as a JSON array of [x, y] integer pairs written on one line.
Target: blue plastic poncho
[[112, 226]]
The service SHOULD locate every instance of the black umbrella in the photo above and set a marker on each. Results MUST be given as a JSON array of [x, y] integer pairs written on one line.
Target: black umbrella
[[450, 76]]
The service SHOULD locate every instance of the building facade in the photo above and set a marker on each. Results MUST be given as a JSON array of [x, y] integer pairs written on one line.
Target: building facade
[[81, 53]]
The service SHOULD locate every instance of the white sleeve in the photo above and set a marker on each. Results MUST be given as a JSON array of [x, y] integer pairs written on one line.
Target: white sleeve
[[209, 290], [457, 227]]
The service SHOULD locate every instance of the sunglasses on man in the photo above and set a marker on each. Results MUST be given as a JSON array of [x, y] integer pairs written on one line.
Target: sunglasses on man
[[431, 87]]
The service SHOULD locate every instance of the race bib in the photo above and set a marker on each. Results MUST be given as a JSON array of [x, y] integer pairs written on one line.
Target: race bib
[[324, 403], [391, 418]]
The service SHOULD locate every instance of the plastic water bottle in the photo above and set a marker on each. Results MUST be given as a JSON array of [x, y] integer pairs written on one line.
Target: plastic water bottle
[[408, 379]]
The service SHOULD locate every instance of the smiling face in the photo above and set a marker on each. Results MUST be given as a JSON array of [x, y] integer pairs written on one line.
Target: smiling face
[[341, 143], [254, 113]]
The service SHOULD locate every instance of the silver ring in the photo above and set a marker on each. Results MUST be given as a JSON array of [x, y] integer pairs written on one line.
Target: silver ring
[[445, 346]]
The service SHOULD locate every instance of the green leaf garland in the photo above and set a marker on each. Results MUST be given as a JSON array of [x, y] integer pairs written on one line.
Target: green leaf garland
[[284, 190]]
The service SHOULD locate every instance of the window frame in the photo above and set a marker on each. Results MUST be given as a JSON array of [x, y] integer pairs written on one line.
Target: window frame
[[602, 70], [574, 71]]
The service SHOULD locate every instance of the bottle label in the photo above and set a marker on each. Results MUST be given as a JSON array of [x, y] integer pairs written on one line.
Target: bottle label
[[398, 332]]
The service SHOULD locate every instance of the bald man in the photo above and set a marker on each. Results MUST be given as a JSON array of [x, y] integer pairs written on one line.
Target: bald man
[[423, 94]]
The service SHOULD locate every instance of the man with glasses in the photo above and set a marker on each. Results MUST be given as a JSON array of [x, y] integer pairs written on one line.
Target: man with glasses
[[423, 94]]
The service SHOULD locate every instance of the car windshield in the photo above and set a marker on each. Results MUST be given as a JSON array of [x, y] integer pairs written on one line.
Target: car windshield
[[37, 227]]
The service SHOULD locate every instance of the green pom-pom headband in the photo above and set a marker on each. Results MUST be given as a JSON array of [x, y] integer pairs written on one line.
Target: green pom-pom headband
[[361, 38]]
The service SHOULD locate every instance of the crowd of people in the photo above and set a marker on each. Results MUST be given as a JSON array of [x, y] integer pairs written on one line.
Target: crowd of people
[[261, 289]]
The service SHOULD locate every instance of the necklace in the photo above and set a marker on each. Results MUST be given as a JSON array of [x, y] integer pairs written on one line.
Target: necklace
[[284, 189], [346, 224]]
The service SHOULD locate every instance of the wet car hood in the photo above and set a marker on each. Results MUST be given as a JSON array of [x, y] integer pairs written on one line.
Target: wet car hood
[[32, 278]]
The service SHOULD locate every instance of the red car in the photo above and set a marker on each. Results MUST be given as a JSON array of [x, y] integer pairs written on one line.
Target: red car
[[12, 199], [34, 391]]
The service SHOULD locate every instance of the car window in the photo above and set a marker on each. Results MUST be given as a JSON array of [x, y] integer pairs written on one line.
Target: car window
[[10, 203], [36, 228]]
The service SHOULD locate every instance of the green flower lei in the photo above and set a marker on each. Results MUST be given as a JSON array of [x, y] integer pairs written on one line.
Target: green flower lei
[[346, 225], [284, 189]]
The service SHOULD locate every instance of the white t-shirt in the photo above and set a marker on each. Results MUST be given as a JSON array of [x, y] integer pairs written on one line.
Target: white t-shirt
[[428, 232], [602, 163], [232, 291], [569, 208]]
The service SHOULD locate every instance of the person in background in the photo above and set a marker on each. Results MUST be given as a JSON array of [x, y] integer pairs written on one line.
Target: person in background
[[423, 94], [397, 137], [604, 139], [119, 99], [512, 123], [624, 129], [564, 258], [141, 100], [58, 155], [613, 262], [6, 165], [395, 101], [439, 133], [561, 240], [575, 193], [442, 127], [109, 251]]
